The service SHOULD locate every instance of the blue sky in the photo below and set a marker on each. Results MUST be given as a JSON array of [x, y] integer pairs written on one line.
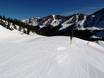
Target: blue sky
[[27, 8]]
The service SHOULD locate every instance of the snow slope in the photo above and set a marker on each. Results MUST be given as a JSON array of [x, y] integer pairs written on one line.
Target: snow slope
[[49, 57], [8, 35]]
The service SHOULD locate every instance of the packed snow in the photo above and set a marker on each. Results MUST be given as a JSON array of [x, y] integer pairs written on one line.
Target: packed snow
[[23, 56]]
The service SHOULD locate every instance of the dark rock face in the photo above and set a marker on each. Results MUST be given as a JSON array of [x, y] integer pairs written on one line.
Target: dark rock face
[[96, 19]]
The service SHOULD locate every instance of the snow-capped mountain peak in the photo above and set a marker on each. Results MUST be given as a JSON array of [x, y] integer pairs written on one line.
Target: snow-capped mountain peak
[[55, 21], [31, 21]]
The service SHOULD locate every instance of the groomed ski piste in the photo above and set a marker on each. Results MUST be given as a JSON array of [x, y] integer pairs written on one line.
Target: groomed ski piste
[[34, 56]]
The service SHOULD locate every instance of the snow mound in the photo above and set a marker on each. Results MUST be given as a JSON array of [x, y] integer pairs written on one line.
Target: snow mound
[[50, 57], [8, 35]]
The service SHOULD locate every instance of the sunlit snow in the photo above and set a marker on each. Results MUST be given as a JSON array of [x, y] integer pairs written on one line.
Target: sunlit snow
[[23, 56]]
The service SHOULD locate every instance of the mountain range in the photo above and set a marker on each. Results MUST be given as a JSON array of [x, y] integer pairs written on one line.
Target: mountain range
[[88, 27]]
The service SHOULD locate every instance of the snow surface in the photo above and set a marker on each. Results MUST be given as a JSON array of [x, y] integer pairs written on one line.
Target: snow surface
[[23, 56]]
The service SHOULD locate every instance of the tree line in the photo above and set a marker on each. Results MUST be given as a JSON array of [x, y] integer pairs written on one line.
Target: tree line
[[16, 24]]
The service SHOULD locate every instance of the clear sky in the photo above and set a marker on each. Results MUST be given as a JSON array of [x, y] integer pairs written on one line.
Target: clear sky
[[27, 8]]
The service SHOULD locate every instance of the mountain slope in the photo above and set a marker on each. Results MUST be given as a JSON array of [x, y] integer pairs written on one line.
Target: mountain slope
[[50, 57], [96, 19]]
